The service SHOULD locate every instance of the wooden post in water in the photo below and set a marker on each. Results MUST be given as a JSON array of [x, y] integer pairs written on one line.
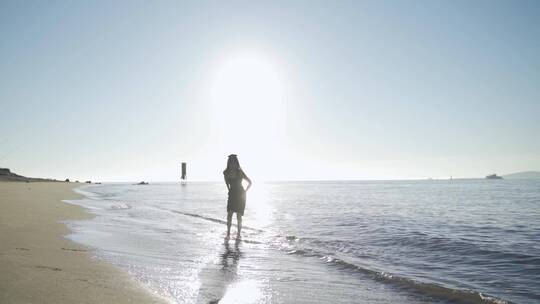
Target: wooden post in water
[[184, 174]]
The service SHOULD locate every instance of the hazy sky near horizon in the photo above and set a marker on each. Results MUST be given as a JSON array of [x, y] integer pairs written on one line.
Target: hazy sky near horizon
[[126, 90]]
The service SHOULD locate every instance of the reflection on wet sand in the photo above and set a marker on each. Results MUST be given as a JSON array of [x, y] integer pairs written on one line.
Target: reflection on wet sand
[[229, 257], [239, 290], [216, 278]]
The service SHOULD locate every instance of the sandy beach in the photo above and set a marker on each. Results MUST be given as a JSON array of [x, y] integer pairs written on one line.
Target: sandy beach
[[38, 265]]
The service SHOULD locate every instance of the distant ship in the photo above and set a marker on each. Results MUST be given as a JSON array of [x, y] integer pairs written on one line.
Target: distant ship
[[493, 176]]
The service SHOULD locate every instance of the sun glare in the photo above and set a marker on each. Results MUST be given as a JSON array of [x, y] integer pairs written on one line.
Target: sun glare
[[248, 102]]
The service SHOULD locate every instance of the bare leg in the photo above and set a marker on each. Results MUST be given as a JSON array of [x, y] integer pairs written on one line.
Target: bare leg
[[239, 220], [229, 220]]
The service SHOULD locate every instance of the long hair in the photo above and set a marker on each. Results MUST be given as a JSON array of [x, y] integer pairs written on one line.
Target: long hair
[[233, 165]]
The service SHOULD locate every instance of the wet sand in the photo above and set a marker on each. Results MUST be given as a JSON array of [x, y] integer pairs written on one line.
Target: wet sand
[[38, 265]]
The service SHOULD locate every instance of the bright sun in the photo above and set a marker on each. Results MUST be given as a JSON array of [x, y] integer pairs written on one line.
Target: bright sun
[[247, 97]]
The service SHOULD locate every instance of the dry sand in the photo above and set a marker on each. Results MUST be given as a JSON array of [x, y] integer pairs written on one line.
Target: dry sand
[[38, 265]]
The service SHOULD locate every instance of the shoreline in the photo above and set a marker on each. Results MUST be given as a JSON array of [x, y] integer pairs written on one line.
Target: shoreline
[[39, 265]]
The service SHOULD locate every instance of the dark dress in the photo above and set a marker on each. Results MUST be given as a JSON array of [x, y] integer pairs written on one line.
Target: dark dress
[[237, 195]]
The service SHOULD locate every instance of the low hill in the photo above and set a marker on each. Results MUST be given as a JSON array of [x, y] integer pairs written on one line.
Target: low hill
[[7, 176], [523, 175]]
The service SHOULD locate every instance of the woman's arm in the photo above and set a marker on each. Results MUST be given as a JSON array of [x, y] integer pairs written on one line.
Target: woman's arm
[[226, 183], [249, 181]]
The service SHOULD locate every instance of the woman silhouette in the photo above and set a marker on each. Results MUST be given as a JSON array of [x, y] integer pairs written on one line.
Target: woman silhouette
[[234, 175]]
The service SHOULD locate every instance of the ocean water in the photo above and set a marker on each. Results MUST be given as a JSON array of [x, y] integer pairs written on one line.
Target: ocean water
[[460, 241]]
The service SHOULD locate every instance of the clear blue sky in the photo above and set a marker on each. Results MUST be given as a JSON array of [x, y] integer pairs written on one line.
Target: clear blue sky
[[126, 90]]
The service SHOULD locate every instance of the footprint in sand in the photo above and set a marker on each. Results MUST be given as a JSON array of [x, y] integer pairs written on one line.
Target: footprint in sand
[[48, 267], [74, 249]]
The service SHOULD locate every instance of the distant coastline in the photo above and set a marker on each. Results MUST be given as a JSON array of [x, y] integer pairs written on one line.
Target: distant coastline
[[8, 176], [523, 175]]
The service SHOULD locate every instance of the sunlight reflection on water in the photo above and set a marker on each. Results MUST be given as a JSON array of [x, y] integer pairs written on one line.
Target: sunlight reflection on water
[[259, 207], [248, 291]]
